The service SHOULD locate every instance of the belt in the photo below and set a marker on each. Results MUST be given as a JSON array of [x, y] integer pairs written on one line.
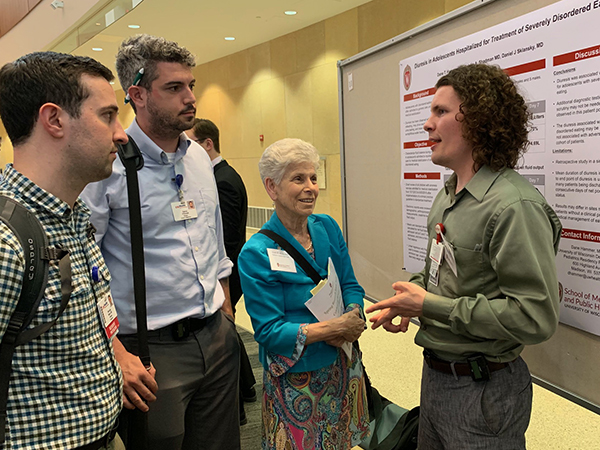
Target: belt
[[477, 367], [178, 330], [102, 442], [182, 328]]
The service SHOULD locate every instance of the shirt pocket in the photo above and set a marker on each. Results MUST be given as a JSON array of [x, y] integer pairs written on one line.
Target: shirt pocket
[[102, 287], [50, 303], [207, 207], [469, 263]]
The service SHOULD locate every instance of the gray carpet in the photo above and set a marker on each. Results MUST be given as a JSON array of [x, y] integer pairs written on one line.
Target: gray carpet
[[251, 432]]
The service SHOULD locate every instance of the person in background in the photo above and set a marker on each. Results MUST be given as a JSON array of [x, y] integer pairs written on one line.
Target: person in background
[[60, 112], [314, 397], [233, 200], [192, 338], [496, 289]]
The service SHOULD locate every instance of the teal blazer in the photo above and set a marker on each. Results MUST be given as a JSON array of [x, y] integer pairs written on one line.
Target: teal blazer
[[275, 300]]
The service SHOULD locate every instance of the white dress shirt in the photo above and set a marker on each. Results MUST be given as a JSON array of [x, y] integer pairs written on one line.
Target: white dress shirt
[[184, 259]]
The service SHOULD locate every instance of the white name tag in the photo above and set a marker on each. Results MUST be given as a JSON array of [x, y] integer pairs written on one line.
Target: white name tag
[[108, 316], [433, 278], [281, 261], [449, 256], [436, 253], [184, 210]]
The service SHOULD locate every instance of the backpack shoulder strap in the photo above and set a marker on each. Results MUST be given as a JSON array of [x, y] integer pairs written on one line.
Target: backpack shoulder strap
[[32, 237]]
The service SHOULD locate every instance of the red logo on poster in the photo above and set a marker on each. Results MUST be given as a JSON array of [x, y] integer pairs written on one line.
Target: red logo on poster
[[560, 292], [407, 77]]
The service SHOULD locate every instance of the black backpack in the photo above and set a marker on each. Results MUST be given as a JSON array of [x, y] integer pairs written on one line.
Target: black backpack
[[32, 237]]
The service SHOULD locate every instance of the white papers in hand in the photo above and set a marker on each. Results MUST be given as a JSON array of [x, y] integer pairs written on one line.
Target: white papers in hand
[[327, 303]]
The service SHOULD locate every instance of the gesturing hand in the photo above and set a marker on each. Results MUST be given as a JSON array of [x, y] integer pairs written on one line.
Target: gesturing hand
[[407, 303]]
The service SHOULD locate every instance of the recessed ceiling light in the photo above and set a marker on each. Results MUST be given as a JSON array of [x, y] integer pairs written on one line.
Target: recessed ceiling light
[[230, 38], [133, 26], [97, 49], [290, 13], [98, 24]]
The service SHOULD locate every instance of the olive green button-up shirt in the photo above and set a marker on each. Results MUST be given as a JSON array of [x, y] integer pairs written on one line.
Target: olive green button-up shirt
[[505, 237]]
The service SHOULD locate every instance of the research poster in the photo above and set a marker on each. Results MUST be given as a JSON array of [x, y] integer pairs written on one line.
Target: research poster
[[553, 54]]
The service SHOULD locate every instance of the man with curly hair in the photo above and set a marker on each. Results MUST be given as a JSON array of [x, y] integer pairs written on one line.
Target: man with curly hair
[[495, 289], [192, 387]]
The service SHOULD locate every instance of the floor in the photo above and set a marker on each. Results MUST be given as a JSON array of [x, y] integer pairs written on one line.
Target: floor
[[394, 366]]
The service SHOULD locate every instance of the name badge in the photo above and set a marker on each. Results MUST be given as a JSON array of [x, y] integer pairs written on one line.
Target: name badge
[[448, 254], [434, 277], [184, 210], [281, 261], [108, 315], [436, 253], [449, 257]]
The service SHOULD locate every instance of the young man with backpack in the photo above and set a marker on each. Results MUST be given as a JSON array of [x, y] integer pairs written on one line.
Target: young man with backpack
[[61, 388]]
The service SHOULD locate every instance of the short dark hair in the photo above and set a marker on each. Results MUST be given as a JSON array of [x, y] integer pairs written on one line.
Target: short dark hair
[[43, 77], [144, 51], [495, 116], [204, 129]]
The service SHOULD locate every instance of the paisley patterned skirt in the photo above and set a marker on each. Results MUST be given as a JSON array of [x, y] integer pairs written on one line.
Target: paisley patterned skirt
[[322, 409]]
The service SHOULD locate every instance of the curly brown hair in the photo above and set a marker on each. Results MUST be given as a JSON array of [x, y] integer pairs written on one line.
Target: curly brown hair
[[495, 116]]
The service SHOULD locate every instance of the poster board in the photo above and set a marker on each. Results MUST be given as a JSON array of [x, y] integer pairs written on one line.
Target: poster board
[[370, 117]]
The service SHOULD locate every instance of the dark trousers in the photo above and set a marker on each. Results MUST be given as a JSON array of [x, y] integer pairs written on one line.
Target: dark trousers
[[247, 379], [197, 387]]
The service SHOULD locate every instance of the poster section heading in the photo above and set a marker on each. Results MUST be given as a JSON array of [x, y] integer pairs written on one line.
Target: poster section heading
[[556, 66]]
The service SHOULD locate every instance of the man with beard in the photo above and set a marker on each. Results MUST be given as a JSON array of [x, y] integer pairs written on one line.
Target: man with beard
[[192, 384]]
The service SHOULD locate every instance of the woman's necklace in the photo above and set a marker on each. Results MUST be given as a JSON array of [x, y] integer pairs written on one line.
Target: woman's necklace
[[309, 244], [309, 248]]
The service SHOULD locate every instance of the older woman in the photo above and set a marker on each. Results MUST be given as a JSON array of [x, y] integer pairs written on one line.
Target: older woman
[[314, 397]]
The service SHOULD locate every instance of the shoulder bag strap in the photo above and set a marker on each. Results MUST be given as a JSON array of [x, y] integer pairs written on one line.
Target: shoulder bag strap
[[301, 260], [133, 424], [132, 159]]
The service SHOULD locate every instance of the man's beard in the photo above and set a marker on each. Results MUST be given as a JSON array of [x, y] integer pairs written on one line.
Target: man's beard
[[167, 124]]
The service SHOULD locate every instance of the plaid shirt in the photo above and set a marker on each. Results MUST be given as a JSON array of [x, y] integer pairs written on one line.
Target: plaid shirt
[[66, 385]]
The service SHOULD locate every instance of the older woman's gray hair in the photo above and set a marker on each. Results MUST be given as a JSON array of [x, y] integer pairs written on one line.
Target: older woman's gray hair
[[281, 154]]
